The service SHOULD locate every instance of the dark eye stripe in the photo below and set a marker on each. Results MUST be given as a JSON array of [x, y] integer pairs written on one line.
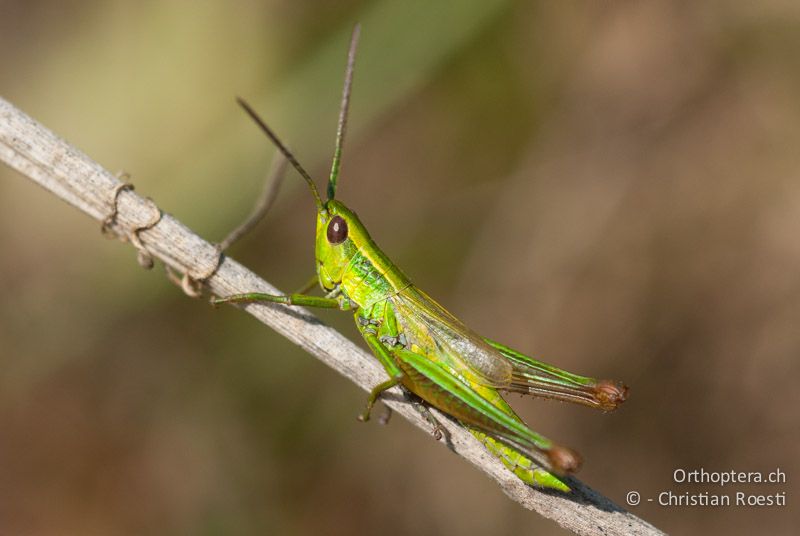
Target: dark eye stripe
[[337, 230]]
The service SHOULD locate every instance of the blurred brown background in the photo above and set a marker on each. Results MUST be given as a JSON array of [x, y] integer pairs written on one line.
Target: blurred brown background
[[610, 185]]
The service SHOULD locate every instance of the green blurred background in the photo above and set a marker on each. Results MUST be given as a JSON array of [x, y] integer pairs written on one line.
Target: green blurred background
[[610, 185]]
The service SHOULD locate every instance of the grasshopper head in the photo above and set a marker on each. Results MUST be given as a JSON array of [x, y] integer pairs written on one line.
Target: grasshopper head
[[340, 234]]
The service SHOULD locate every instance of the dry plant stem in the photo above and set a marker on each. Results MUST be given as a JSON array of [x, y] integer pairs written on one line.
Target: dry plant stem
[[42, 156]]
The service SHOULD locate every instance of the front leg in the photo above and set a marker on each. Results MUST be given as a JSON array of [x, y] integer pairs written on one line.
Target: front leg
[[290, 299]]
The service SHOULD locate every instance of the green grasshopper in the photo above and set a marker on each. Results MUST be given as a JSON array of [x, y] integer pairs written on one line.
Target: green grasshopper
[[424, 348]]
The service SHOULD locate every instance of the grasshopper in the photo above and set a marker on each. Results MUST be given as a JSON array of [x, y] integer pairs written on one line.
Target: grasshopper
[[424, 348]]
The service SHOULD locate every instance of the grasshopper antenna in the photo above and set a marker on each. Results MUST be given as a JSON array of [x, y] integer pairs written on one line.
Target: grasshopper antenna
[[343, 110], [282, 148]]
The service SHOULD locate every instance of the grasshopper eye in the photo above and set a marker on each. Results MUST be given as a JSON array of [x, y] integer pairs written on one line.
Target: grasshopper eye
[[337, 230]]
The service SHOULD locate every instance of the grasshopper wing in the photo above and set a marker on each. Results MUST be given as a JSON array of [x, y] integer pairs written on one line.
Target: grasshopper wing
[[459, 372], [429, 325], [443, 338], [537, 378]]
